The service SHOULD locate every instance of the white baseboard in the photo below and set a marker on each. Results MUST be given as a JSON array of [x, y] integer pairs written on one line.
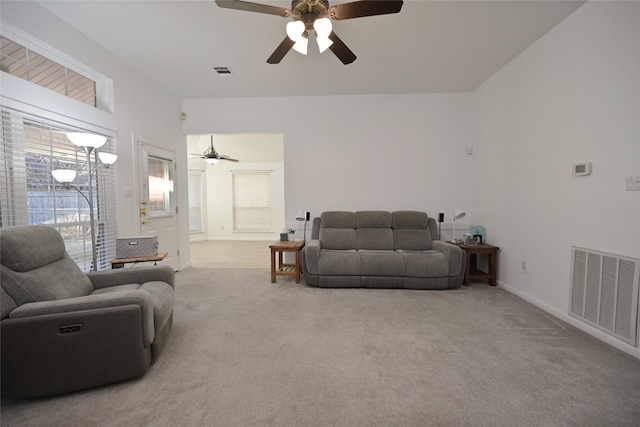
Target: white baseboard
[[620, 345]]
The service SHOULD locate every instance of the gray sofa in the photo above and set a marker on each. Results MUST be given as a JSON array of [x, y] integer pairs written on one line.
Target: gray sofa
[[380, 249], [63, 330]]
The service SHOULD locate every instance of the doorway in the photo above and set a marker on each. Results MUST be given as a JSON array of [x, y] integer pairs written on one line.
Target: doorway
[[211, 194]]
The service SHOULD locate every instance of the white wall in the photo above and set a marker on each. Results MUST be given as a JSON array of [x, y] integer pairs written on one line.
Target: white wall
[[357, 152], [573, 96], [141, 107]]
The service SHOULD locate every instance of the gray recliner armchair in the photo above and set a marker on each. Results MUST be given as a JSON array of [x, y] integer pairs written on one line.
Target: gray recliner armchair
[[62, 330]]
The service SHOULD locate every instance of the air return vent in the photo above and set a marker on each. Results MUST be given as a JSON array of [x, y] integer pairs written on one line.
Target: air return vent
[[604, 292]]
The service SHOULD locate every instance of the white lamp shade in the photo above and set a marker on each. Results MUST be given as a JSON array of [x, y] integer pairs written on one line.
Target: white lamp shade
[[64, 175], [82, 139], [301, 45], [211, 160], [458, 214], [300, 216], [295, 30], [323, 27], [323, 43], [107, 158]]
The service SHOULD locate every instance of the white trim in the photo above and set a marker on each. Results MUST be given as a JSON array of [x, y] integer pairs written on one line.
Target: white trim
[[620, 345]]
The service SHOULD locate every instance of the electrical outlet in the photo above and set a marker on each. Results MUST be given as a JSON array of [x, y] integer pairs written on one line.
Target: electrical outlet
[[633, 183], [524, 266]]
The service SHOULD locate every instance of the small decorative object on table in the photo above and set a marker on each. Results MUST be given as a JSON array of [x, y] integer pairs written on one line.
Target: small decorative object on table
[[470, 240]]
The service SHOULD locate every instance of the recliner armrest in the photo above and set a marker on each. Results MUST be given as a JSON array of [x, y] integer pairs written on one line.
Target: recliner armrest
[[453, 253], [91, 302], [121, 276], [312, 255]]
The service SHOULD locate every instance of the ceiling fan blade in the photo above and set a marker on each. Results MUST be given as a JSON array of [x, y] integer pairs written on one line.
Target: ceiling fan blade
[[253, 7], [359, 9], [341, 50], [223, 157], [281, 51]]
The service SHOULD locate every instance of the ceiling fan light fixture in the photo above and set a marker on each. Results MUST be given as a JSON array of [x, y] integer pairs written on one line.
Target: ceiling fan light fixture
[[323, 43], [323, 27], [212, 160], [301, 45], [295, 29]]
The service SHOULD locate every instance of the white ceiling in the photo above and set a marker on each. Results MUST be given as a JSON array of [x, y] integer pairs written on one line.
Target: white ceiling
[[429, 47]]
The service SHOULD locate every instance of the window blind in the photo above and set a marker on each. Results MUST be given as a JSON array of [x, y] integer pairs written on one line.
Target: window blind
[[31, 148], [195, 201], [251, 201]]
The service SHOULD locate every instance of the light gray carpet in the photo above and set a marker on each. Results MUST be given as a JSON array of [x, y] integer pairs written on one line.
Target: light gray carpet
[[245, 352]]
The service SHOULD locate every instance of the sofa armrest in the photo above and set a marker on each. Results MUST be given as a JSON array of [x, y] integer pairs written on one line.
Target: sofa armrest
[[122, 276], [92, 302], [454, 254], [312, 256]]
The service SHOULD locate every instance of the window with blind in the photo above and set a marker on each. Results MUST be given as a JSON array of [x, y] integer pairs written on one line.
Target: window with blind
[[31, 148], [252, 201], [196, 214]]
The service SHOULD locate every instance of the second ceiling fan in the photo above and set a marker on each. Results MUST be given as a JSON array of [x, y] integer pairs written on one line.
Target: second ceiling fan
[[316, 15]]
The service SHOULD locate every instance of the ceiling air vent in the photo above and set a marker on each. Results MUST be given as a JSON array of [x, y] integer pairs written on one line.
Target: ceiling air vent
[[223, 71]]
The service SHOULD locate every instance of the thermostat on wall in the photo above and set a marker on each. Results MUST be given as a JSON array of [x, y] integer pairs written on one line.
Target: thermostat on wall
[[582, 169]]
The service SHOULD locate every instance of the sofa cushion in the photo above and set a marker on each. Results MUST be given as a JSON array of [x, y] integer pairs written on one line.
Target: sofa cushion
[[425, 263], [58, 280], [339, 263], [36, 266], [374, 238], [410, 231], [373, 219], [337, 230], [381, 263], [338, 219], [374, 230], [24, 248]]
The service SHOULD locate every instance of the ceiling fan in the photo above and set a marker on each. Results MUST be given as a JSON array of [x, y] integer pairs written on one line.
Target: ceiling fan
[[316, 15], [212, 156]]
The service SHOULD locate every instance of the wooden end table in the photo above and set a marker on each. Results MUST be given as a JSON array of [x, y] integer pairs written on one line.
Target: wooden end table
[[471, 269], [120, 262], [282, 269]]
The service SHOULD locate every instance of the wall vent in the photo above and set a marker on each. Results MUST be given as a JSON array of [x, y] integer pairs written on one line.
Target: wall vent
[[604, 292], [223, 70]]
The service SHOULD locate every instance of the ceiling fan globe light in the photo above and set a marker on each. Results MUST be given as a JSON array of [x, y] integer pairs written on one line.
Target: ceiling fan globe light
[[324, 43], [212, 160], [295, 30], [301, 45], [323, 27]]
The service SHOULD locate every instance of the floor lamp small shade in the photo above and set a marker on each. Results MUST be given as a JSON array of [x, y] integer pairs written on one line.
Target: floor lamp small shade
[[107, 158], [300, 216], [64, 176], [82, 139]]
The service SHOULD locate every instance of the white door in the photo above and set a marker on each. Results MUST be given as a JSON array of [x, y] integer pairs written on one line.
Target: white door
[[157, 198]]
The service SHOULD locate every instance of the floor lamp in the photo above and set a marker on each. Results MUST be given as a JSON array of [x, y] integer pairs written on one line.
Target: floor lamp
[[457, 214], [88, 142], [303, 216]]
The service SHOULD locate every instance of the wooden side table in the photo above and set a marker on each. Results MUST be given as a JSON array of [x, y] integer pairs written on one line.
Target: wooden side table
[[282, 269], [120, 262], [471, 269]]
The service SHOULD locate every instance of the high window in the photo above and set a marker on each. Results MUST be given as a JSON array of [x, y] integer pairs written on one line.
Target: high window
[[26, 64]]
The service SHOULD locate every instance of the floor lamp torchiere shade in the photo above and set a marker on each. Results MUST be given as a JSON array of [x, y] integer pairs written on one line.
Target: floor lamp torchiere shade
[[87, 142], [457, 214]]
